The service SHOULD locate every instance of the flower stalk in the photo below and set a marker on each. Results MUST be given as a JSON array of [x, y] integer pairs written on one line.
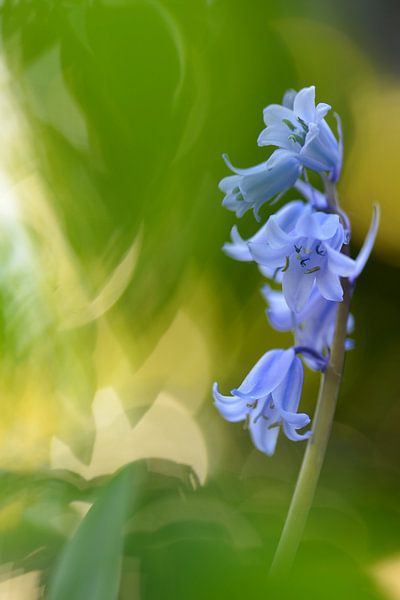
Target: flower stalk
[[316, 447]]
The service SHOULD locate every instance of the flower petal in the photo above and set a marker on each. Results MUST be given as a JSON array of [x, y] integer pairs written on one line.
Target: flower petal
[[236, 204], [304, 104], [287, 398], [329, 285], [227, 184], [293, 435], [232, 408], [278, 312], [297, 286], [317, 327], [271, 273], [277, 135], [318, 225], [238, 248], [368, 244], [288, 98], [266, 375], [246, 171], [320, 149], [264, 255], [289, 214], [276, 236], [275, 113], [339, 263], [337, 241], [279, 173], [287, 395], [264, 436], [299, 420], [322, 110]]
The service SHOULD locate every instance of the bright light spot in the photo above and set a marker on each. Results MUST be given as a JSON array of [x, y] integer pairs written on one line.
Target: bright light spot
[[166, 431], [387, 575]]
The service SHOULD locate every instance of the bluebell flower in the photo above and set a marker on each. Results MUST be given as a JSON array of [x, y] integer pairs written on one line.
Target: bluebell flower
[[300, 247], [298, 126], [251, 188], [268, 399], [313, 327], [308, 254]]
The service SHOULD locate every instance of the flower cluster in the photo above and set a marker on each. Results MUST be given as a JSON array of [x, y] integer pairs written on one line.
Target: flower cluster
[[304, 249]]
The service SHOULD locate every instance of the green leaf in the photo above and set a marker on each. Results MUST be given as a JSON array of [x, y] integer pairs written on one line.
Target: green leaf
[[90, 565]]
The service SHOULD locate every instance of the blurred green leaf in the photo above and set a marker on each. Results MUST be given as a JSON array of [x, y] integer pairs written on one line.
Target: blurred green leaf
[[90, 564]]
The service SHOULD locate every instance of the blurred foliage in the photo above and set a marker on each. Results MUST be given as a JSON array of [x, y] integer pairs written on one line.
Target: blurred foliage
[[118, 309], [180, 540], [90, 563]]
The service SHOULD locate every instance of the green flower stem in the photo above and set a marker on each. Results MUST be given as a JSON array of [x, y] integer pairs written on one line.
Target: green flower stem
[[315, 452]]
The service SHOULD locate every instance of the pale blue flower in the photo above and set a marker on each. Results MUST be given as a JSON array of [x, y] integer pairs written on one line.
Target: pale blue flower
[[300, 247], [251, 188], [308, 254], [304, 139], [299, 127], [268, 399], [313, 327]]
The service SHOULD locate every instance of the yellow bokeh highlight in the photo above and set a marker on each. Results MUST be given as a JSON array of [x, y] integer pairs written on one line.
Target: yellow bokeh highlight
[[166, 431], [387, 575], [371, 174], [16, 585], [29, 420]]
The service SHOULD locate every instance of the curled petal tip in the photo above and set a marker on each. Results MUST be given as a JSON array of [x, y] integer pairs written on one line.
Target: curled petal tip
[[228, 163], [369, 242], [225, 158]]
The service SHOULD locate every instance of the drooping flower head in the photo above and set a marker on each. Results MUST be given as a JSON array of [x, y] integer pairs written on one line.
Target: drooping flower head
[[304, 140], [251, 188], [268, 399], [308, 254], [283, 226], [299, 126]]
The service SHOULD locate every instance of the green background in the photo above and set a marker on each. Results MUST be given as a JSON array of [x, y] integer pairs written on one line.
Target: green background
[[119, 310]]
